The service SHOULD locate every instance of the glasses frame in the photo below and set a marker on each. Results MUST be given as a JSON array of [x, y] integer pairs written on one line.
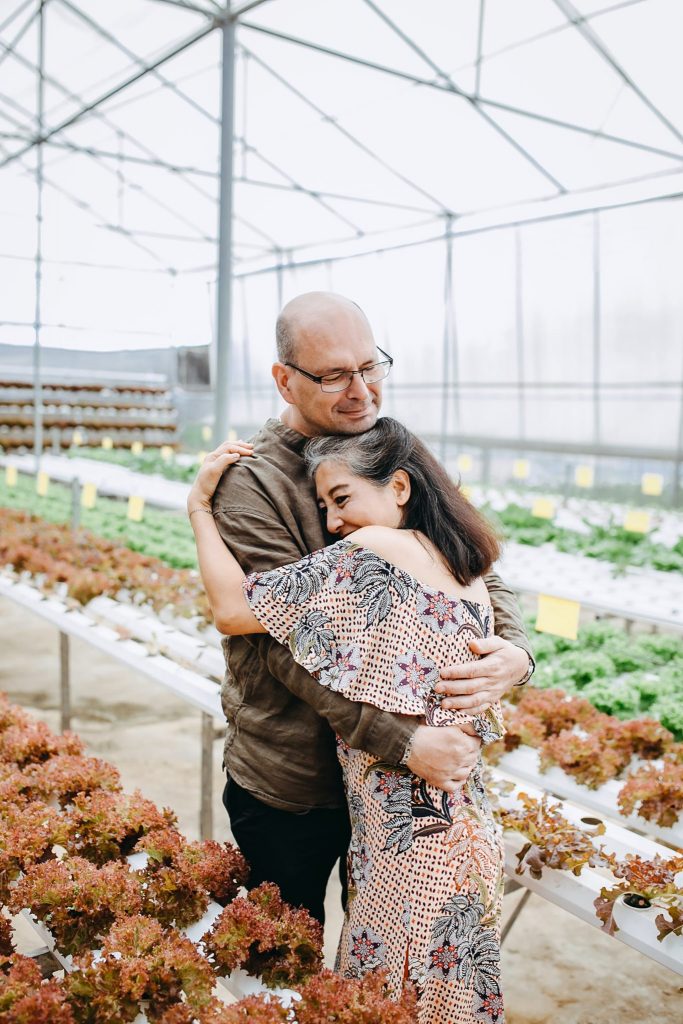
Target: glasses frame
[[318, 379]]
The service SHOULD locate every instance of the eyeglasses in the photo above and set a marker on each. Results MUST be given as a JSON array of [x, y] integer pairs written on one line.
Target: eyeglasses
[[342, 379]]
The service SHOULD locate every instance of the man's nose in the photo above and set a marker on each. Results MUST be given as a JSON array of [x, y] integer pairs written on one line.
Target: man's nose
[[357, 388]]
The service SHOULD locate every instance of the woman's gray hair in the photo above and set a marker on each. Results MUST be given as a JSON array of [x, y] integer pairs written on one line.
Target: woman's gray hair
[[362, 453]]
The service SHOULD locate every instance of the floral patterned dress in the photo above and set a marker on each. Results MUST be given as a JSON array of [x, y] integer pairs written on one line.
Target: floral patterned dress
[[425, 866]]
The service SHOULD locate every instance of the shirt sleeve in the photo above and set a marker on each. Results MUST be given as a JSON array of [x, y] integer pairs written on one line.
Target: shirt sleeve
[[507, 614]]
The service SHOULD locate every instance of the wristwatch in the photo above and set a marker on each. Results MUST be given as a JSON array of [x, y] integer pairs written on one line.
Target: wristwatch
[[528, 674]]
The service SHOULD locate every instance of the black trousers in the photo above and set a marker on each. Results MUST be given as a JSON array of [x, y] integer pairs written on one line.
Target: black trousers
[[296, 851]]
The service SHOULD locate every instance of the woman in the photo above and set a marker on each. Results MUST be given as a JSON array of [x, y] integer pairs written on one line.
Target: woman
[[375, 616]]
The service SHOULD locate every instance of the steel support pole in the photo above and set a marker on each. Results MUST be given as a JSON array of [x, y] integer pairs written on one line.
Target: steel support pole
[[40, 105], [519, 335], [223, 340], [64, 682], [206, 778], [447, 339], [597, 329]]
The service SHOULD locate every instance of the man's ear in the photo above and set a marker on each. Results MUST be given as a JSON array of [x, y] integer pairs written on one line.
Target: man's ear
[[282, 375], [401, 485]]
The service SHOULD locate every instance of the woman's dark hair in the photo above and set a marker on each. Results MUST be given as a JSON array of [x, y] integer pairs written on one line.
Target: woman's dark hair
[[437, 507]]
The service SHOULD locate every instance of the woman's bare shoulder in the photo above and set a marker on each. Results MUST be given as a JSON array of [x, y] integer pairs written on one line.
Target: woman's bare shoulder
[[385, 541]]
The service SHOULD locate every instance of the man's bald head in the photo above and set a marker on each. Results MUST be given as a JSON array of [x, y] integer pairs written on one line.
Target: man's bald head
[[314, 314]]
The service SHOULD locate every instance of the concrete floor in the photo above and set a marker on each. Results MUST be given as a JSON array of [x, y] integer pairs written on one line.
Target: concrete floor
[[555, 968]]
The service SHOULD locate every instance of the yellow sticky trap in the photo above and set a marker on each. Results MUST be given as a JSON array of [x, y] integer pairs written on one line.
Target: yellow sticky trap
[[201, 456], [77, 438], [42, 483], [232, 435], [137, 447], [558, 616], [652, 484], [464, 463], [637, 521], [11, 476], [107, 444], [583, 477], [520, 469], [88, 495], [207, 432], [136, 508], [543, 508], [166, 452]]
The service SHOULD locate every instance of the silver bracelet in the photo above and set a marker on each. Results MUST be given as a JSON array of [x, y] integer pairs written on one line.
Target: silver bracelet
[[207, 510], [529, 672]]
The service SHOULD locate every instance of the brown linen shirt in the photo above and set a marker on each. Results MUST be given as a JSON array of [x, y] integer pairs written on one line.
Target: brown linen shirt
[[280, 742]]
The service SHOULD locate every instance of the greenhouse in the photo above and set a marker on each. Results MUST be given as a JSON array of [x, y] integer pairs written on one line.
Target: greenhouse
[[229, 233]]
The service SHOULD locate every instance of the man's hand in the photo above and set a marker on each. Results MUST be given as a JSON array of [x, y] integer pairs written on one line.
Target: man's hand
[[473, 686], [444, 756]]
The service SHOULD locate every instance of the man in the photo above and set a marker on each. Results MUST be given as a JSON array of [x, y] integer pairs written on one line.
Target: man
[[284, 791]]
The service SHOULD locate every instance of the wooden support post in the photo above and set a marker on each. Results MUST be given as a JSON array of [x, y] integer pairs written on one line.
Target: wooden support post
[[64, 682], [206, 774]]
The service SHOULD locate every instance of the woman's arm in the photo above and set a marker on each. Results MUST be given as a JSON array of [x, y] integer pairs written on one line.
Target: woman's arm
[[220, 572]]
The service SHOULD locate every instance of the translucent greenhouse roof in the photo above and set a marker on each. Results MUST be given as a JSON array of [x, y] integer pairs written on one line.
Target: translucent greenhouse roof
[[358, 124]]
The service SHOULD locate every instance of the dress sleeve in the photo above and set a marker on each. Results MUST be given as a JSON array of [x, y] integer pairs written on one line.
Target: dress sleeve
[[335, 610]]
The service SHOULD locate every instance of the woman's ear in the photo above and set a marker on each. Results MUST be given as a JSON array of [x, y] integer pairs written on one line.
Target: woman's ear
[[401, 486]]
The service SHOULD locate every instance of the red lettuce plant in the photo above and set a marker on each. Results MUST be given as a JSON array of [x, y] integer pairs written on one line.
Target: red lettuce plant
[[252, 1010], [104, 826], [6, 946], [140, 960], [553, 841], [589, 758], [170, 892], [27, 835], [67, 775], [33, 741], [654, 793], [77, 901], [26, 999], [266, 938], [651, 881], [219, 867], [329, 997], [644, 737]]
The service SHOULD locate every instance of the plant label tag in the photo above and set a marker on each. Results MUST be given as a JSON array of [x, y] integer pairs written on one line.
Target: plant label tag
[[558, 616], [637, 521], [42, 483], [464, 463], [77, 438], [166, 452], [11, 476], [583, 477], [543, 508], [137, 447], [207, 432], [232, 435], [136, 508], [652, 484], [107, 444], [520, 469], [88, 495]]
